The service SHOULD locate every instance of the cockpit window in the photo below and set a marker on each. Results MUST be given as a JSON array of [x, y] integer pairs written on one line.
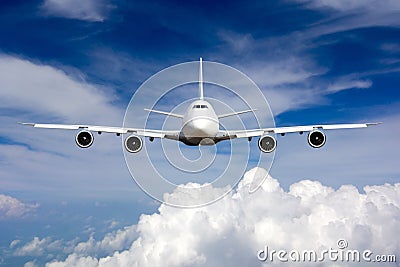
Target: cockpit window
[[200, 106]]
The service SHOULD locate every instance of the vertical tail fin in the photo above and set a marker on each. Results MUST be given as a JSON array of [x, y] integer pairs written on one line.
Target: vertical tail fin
[[201, 95]]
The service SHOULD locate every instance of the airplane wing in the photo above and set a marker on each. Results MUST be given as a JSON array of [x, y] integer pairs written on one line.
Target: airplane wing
[[174, 135], [223, 135]]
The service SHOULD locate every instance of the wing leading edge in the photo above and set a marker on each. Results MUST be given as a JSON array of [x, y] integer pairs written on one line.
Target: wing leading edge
[[292, 129]]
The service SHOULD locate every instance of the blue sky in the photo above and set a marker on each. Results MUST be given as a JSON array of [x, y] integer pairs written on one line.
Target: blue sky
[[76, 61]]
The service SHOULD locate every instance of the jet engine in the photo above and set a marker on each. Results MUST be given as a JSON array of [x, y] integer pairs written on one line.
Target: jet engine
[[267, 143], [133, 144], [84, 139], [316, 139]]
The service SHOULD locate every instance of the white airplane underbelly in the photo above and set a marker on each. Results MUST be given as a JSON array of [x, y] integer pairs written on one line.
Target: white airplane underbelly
[[200, 127]]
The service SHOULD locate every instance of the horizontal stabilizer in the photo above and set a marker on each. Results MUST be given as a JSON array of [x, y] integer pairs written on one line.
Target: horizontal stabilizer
[[165, 113], [235, 113]]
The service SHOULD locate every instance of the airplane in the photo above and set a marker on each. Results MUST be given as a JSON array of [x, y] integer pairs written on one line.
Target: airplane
[[200, 127]]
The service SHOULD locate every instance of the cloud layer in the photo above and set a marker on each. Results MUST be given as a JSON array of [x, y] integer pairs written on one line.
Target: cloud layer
[[232, 230]]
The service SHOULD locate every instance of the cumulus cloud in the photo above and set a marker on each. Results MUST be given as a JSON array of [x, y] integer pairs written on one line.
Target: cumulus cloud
[[231, 231], [36, 247], [11, 207], [80, 252], [31, 264], [121, 239], [89, 10]]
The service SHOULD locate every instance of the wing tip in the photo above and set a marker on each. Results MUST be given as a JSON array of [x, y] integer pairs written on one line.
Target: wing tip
[[373, 123], [26, 123]]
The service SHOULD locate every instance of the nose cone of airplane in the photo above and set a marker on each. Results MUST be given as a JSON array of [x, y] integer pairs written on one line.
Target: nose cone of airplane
[[202, 124], [201, 127]]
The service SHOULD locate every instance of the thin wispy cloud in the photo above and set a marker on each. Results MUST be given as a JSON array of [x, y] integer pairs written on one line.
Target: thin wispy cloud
[[344, 16], [351, 84], [90, 10], [49, 91], [354, 5]]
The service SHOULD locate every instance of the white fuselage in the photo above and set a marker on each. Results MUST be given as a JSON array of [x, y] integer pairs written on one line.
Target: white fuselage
[[199, 122]]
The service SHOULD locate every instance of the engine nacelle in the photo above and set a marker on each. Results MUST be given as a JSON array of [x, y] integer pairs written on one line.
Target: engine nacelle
[[316, 139], [84, 139], [267, 143], [133, 144]]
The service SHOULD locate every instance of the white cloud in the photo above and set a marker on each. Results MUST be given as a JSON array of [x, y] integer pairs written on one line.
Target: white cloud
[[114, 241], [284, 71], [48, 91], [31, 264], [285, 66], [14, 243], [290, 78], [33, 92], [88, 10], [344, 84], [288, 83], [349, 15], [346, 5], [43, 247], [11, 207], [75, 260], [118, 240], [232, 230], [36, 247]]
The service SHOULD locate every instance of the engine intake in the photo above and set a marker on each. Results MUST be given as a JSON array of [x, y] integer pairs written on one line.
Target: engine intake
[[316, 139], [84, 139], [133, 144], [267, 143]]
